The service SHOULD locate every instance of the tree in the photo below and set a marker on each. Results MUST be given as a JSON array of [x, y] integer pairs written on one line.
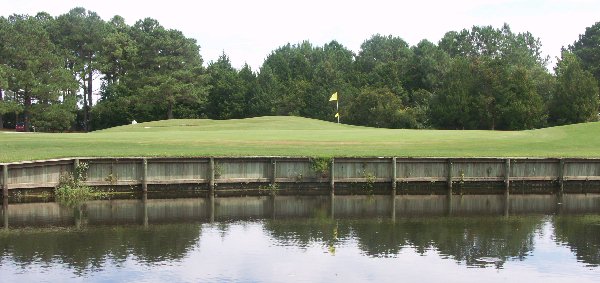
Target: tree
[[268, 86], [587, 48], [249, 84], [167, 71], [81, 34], [150, 73], [334, 72], [292, 69], [57, 117], [36, 74], [428, 66], [298, 79], [378, 107], [118, 51], [3, 84], [114, 111], [226, 97], [520, 106], [8, 104], [493, 81], [576, 98], [451, 104], [384, 61], [486, 41]]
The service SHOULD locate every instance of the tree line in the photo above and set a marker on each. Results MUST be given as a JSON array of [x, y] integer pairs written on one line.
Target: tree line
[[478, 78]]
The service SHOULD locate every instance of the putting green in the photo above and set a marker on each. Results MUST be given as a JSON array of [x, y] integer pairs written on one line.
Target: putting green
[[295, 136]]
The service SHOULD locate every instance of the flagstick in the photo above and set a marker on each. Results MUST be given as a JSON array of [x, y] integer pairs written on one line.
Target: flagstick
[[337, 108]]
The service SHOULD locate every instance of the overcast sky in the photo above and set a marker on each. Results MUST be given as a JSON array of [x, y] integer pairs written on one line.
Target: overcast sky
[[247, 31]]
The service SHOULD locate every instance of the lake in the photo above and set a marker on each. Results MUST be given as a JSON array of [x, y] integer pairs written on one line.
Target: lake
[[522, 238]]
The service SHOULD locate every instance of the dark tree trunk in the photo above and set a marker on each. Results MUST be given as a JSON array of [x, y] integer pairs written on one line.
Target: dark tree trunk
[[27, 112], [85, 112], [89, 93], [170, 111], [1, 115]]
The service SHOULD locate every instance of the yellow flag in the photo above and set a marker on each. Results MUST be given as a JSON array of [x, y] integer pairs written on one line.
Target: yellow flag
[[337, 115], [333, 97]]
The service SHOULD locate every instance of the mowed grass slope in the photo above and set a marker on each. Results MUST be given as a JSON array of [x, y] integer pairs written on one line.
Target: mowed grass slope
[[294, 136]]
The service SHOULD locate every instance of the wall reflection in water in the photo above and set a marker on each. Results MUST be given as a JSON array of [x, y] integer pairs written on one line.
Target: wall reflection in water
[[485, 231]]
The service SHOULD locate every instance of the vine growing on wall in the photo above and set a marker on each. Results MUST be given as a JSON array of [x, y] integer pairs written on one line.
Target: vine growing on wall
[[320, 165]]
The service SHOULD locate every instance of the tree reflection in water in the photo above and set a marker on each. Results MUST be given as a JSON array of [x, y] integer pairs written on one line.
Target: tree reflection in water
[[581, 234], [108, 233], [475, 241]]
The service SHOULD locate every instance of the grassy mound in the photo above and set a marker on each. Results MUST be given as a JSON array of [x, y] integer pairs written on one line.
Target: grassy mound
[[295, 136]]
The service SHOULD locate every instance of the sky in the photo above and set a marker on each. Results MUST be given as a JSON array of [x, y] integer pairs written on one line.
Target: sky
[[248, 31]]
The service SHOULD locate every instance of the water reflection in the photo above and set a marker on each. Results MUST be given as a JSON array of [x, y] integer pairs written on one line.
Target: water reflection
[[155, 211], [5, 213], [474, 241], [470, 230], [90, 249], [581, 234]]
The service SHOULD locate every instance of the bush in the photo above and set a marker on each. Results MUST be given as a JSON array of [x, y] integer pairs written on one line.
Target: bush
[[52, 118], [71, 190]]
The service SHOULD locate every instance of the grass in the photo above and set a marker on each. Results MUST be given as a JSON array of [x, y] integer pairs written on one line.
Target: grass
[[294, 136]]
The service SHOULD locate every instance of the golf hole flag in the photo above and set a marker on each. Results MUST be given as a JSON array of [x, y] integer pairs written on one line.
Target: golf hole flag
[[333, 97], [337, 105]]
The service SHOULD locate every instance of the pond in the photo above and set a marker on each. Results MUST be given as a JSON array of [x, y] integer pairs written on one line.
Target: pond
[[523, 238]]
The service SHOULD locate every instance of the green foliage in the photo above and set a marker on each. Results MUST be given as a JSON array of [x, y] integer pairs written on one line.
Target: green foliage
[[493, 81], [113, 112], [226, 97], [429, 64], [369, 185], [167, 70], [9, 106], [298, 80], [477, 78], [576, 98], [383, 61], [320, 165], [71, 191], [587, 48], [380, 108], [487, 93], [271, 189], [32, 63], [494, 43], [52, 118], [80, 35], [118, 51], [84, 250]]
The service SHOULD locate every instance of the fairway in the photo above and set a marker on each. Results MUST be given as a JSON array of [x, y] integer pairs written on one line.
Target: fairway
[[294, 136]]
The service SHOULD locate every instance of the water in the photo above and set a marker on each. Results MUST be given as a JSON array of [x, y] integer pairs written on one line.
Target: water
[[306, 239]]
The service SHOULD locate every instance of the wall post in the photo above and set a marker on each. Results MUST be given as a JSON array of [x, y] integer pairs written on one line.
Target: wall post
[[5, 181], [211, 177], [75, 164], [332, 176], [449, 176], [145, 175], [561, 175], [394, 177], [507, 175], [273, 171]]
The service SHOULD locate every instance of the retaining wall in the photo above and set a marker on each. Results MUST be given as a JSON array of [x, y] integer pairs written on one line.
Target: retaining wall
[[210, 172]]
